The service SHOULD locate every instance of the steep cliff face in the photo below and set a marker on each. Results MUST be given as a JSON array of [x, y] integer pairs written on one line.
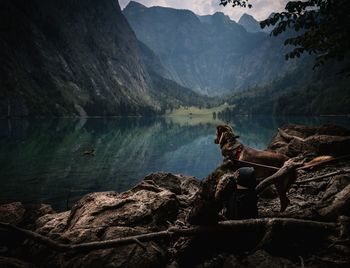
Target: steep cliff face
[[62, 57], [211, 54]]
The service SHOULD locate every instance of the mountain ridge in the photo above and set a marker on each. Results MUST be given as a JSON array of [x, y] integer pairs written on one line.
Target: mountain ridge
[[210, 54], [80, 58], [250, 23]]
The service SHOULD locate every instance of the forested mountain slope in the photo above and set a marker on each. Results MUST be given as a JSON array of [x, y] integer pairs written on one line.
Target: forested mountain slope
[[61, 57]]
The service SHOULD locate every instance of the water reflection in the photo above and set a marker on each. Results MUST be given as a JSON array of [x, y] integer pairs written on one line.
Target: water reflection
[[44, 161]]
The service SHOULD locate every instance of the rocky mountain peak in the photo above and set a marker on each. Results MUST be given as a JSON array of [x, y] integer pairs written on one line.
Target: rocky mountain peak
[[249, 23], [211, 54], [134, 4]]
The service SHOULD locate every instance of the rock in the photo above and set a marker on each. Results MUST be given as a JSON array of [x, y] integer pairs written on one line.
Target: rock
[[33, 212], [165, 180], [158, 200], [216, 261], [260, 259], [340, 205], [178, 184], [12, 213], [184, 187], [14, 263], [336, 184], [293, 140], [53, 225], [23, 215], [128, 256], [141, 207]]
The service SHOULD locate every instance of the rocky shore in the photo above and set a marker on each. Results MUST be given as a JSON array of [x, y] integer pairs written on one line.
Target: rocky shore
[[163, 200]]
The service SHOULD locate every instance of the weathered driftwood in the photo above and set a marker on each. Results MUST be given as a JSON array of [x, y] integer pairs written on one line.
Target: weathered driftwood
[[339, 206], [227, 227], [331, 141], [282, 179], [289, 137], [320, 163]]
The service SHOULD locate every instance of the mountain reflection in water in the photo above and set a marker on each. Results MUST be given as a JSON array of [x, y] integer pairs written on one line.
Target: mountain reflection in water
[[43, 161]]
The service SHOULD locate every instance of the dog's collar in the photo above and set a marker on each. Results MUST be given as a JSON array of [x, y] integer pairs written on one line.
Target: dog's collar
[[238, 152]]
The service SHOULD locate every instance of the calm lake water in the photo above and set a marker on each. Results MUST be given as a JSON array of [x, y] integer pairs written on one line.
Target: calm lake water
[[43, 161]]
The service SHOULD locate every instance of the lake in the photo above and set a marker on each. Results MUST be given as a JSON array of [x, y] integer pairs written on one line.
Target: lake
[[43, 160]]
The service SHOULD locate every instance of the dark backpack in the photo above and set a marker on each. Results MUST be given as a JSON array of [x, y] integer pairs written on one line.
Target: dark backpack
[[242, 204]]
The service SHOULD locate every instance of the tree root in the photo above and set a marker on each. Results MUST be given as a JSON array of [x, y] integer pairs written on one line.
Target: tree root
[[282, 179], [338, 172], [226, 227]]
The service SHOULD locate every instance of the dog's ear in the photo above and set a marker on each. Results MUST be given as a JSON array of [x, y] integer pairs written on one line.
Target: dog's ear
[[236, 137], [218, 133], [216, 140], [229, 128], [219, 128]]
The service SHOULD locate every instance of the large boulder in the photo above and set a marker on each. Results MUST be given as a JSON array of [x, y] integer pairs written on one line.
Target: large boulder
[[156, 202]]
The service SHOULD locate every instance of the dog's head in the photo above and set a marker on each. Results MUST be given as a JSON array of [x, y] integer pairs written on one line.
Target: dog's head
[[220, 130]]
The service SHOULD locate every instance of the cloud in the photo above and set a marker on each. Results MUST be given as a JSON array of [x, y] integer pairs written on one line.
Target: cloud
[[261, 8]]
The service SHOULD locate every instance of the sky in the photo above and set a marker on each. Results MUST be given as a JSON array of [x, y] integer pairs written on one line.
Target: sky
[[261, 8]]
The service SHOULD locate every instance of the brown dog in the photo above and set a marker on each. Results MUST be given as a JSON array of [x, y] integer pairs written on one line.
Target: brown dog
[[232, 149]]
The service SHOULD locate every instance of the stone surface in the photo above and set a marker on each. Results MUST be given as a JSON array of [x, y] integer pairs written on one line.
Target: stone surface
[[260, 259], [23, 215], [12, 213], [157, 201], [339, 206], [6, 262]]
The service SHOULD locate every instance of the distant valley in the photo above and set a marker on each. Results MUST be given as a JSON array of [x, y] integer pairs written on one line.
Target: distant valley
[[210, 54]]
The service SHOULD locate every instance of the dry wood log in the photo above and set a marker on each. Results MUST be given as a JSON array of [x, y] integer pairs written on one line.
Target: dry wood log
[[227, 227], [282, 179], [320, 163], [339, 206]]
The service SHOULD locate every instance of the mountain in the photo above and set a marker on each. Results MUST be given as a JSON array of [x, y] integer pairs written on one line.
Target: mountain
[[70, 57], [210, 54], [321, 92], [249, 23], [62, 57]]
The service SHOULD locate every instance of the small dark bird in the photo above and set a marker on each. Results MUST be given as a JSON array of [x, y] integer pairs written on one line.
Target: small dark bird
[[89, 152]]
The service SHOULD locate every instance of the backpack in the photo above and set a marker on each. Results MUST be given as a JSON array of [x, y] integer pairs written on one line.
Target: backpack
[[242, 204]]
